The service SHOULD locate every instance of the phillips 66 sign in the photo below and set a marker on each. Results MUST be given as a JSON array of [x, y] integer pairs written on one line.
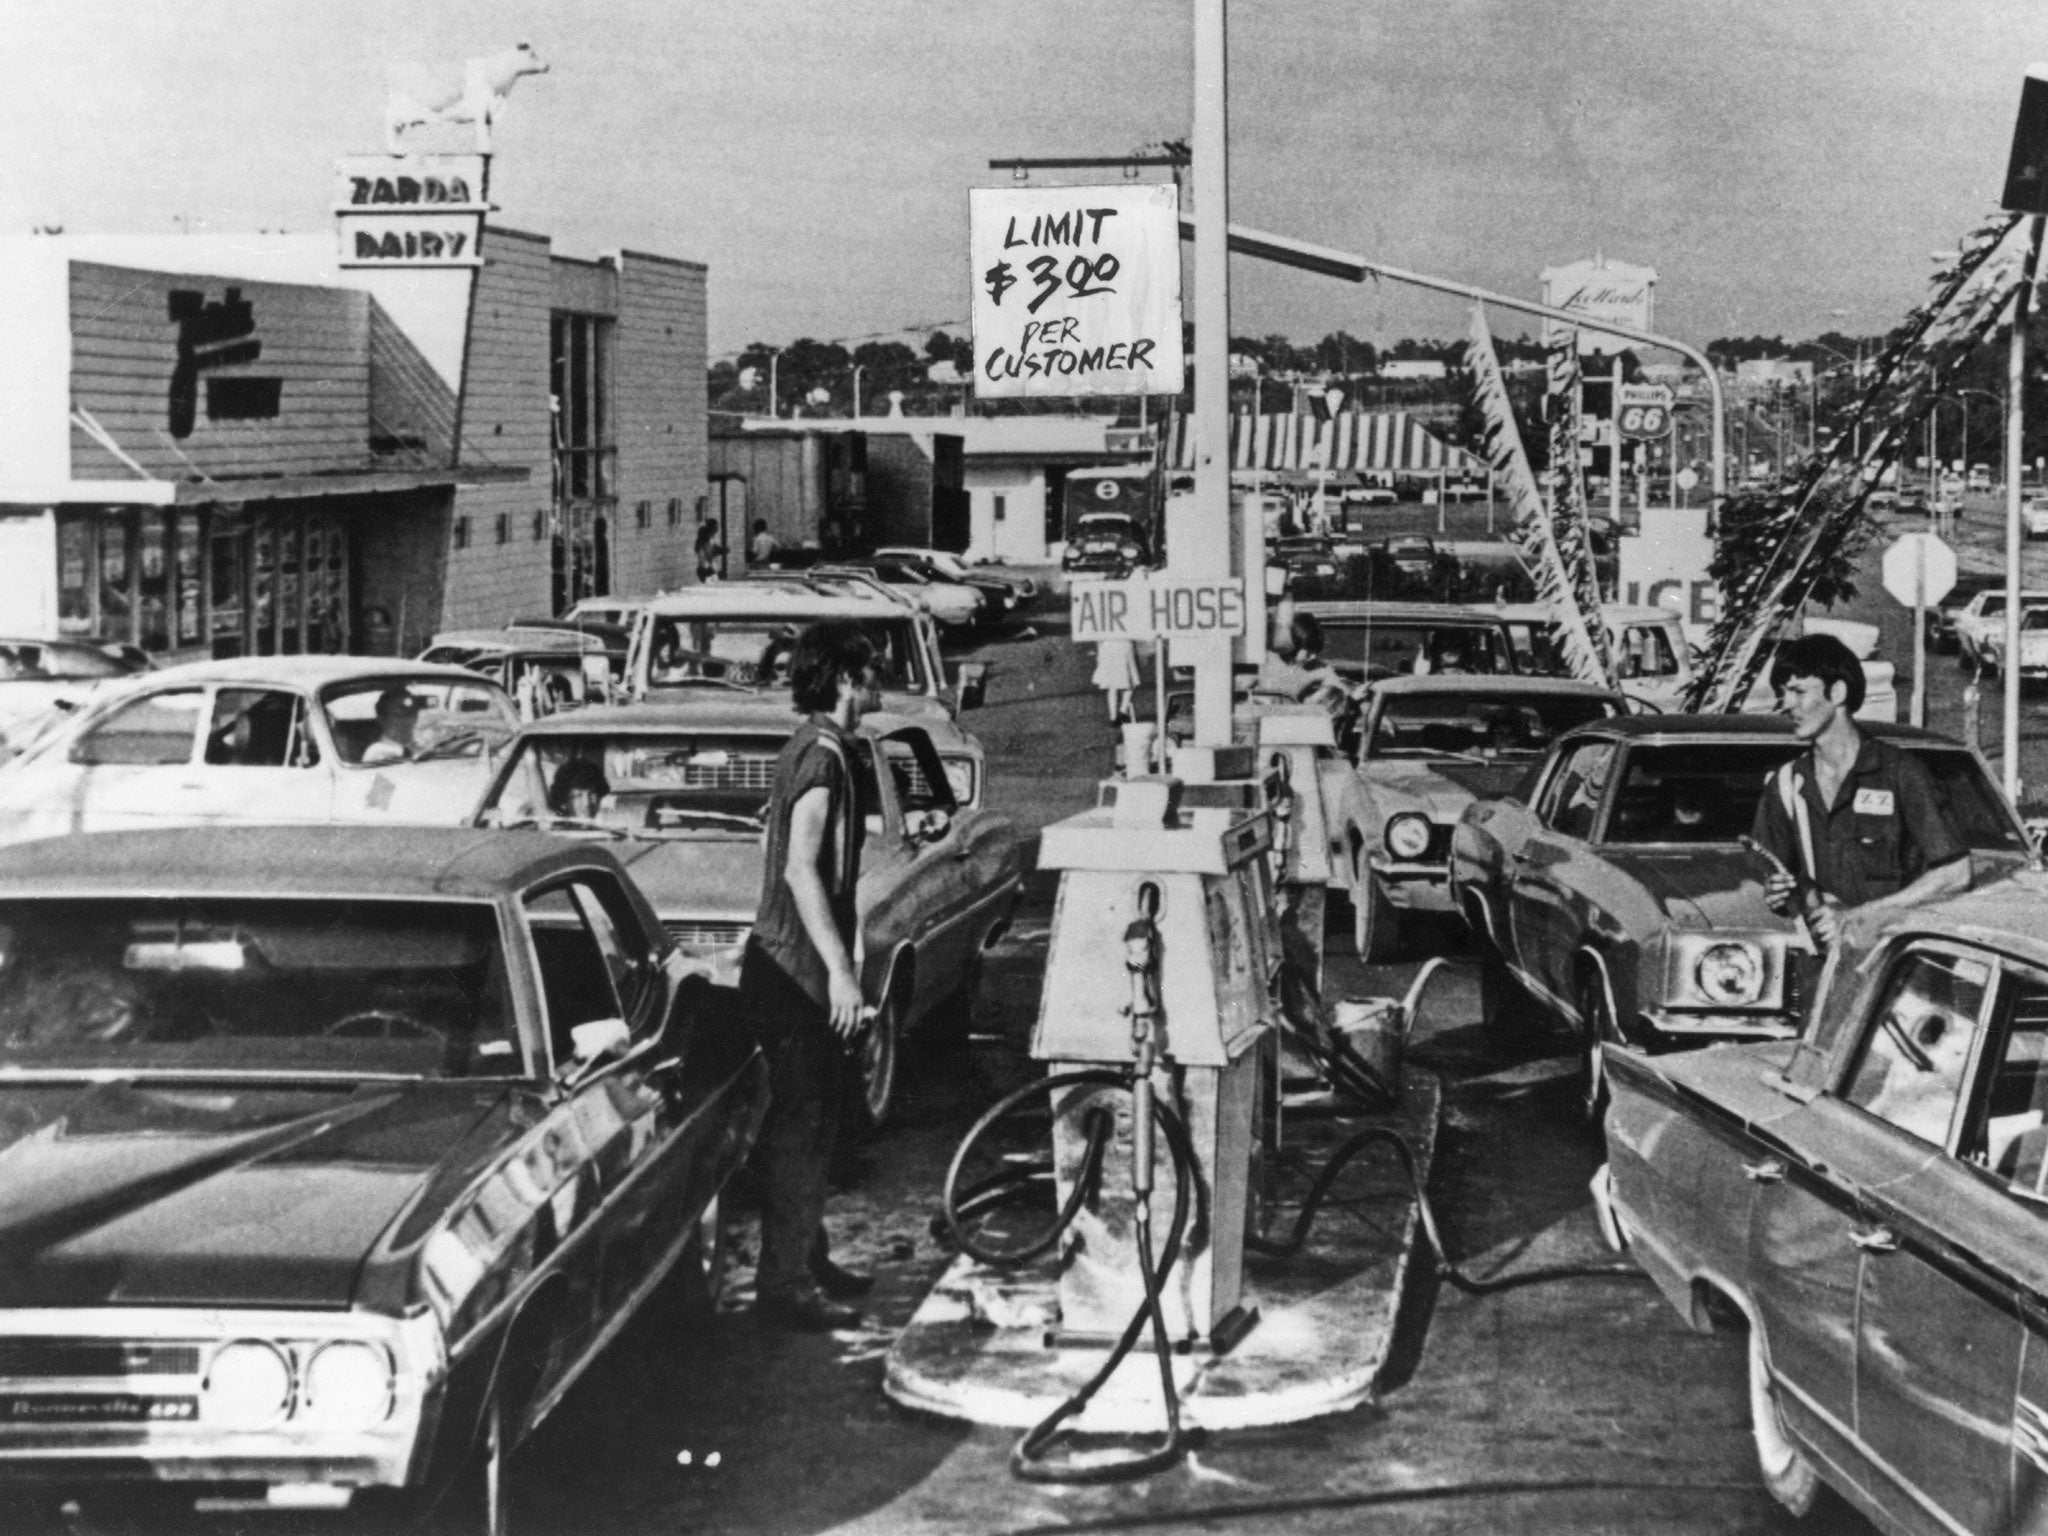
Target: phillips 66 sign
[[1076, 290]]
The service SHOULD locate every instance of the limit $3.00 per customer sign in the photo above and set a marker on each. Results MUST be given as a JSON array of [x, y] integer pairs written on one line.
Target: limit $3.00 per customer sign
[[1076, 291]]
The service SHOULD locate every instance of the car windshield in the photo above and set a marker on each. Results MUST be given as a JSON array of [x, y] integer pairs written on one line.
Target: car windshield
[[1486, 725], [1693, 792], [383, 722], [669, 783], [36, 660], [1106, 525], [1972, 801], [1382, 650], [753, 651], [255, 985]]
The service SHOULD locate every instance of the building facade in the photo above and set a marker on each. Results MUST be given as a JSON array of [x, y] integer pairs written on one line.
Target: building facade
[[218, 446]]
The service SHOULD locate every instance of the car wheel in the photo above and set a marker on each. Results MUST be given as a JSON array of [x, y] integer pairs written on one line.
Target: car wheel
[[1600, 1027], [1375, 921], [1791, 1478], [879, 1044]]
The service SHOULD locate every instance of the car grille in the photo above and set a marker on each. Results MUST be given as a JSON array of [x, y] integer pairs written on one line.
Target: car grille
[[43, 1359], [741, 770], [58, 1381], [707, 935]]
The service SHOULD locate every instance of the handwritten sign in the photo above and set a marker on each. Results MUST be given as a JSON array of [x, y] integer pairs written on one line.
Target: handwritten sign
[[1156, 608], [1076, 291]]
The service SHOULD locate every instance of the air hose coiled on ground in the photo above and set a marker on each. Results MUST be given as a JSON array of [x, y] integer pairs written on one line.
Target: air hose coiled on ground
[[1027, 1458]]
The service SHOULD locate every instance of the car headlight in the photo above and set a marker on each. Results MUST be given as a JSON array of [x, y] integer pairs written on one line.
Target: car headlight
[[348, 1386], [1729, 974], [1408, 835], [248, 1386], [960, 779]]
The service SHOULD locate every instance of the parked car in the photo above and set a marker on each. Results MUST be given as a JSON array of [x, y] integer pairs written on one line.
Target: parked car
[[1865, 1205], [947, 566], [1652, 661], [736, 636], [683, 790], [1615, 892], [2034, 517], [1942, 616], [264, 738], [544, 670], [329, 1162], [2033, 663], [955, 605], [1412, 554], [1981, 616], [41, 680], [1111, 543], [1370, 640], [1426, 747]]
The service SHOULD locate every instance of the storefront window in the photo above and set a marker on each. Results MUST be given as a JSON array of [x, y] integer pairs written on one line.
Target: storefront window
[[75, 562], [288, 589], [153, 587], [188, 528], [263, 585], [117, 600], [228, 578]]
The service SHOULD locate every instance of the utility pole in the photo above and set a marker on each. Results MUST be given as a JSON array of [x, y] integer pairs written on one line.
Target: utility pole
[[1206, 550]]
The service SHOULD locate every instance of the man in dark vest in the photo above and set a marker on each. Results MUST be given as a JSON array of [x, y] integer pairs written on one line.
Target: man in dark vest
[[798, 979]]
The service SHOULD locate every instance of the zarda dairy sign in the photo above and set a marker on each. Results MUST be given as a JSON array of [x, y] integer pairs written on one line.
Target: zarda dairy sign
[[1076, 291]]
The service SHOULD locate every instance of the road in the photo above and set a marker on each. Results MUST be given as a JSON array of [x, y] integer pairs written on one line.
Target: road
[[1574, 1406], [1566, 1407]]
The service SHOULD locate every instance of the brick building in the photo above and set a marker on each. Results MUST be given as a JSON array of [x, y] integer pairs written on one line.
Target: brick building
[[222, 445]]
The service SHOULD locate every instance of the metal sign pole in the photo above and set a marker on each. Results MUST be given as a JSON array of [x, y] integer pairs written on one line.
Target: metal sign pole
[[1203, 549], [2015, 418]]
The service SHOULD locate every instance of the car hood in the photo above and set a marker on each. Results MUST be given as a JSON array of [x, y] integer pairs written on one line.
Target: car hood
[[203, 1193], [703, 879], [1701, 886], [1444, 787]]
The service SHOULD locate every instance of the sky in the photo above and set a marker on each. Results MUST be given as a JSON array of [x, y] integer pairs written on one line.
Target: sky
[[1787, 166]]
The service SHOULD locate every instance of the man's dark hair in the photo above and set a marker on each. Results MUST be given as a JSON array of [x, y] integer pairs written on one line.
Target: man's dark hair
[[1307, 632], [828, 651], [1825, 659]]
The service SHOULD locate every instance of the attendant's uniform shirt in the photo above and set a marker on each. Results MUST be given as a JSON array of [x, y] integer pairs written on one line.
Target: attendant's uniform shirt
[[819, 754], [1885, 830]]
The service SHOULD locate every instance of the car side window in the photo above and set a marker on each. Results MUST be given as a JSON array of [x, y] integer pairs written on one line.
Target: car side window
[[1572, 798], [259, 728], [2009, 1128], [575, 973], [620, 940], [154, 731], [1910, 1069]]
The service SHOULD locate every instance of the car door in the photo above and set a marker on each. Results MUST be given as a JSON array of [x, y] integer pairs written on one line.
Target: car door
[[1827, 1229], [1939, 1330], [259, 760], [133, 766], [622, 1185], [914, 877], [1545, 875]]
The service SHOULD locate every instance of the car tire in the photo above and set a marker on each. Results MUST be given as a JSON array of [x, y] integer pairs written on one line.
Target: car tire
[[1599, 1028], [1791, 1478], [1375, 920], [880, 1047]]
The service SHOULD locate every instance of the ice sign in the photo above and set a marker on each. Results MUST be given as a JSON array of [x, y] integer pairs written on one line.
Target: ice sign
[[1076, 291]]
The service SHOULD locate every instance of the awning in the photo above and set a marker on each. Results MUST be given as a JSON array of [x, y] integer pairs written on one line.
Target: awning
[[1383, 440]]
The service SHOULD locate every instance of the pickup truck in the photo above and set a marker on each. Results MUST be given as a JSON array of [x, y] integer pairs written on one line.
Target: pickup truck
[[1867, 1205]]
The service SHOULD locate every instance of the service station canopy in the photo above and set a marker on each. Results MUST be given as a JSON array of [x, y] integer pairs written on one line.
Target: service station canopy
[[1076, 291]]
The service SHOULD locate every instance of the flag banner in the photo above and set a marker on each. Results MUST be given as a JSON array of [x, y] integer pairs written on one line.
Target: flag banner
[[1568, 510], [1353, 440], [1532, 530], [1778, 549]]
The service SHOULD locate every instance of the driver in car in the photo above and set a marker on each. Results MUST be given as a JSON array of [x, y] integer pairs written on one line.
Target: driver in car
[[579, 790], [398, 715]]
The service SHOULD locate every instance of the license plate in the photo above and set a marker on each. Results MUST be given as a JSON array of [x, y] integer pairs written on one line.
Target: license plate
[[95, 1408]]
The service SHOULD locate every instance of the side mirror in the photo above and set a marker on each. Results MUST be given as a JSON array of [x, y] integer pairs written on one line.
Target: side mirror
[[972, 683]]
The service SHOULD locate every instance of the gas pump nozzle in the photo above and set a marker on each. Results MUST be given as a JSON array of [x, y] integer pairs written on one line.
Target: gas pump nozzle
[[1141, 963], [1806, 896]]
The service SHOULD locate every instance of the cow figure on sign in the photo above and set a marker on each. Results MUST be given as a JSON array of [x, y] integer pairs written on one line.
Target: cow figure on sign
[[420, 96]]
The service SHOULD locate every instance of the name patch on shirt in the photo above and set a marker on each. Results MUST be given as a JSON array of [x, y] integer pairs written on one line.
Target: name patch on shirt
[[1873, 802]]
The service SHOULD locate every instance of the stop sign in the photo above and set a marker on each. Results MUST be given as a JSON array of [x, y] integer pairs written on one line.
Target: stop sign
[[1919, 569]]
